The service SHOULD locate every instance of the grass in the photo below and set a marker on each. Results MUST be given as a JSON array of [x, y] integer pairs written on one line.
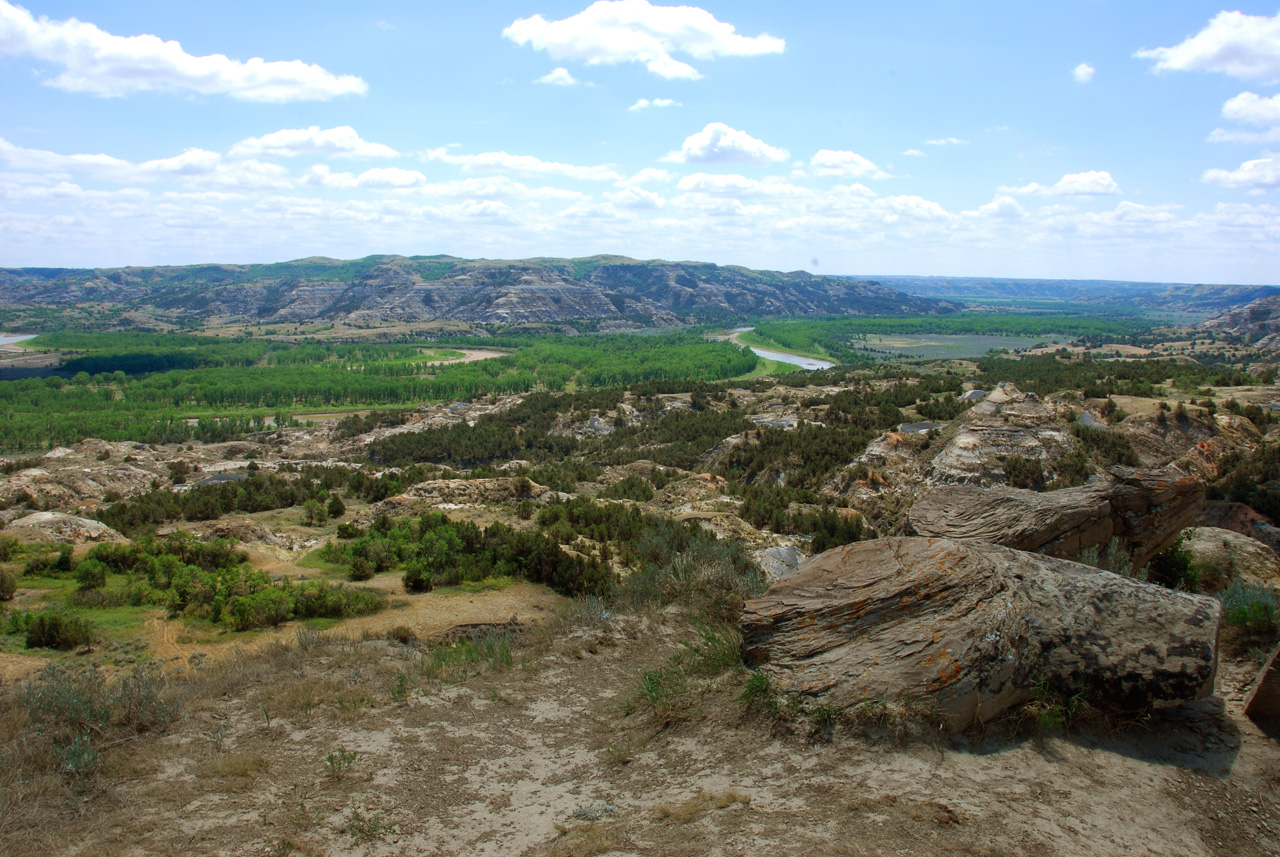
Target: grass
[[753, 338], [313, 562], [766, 367], [471, 587]]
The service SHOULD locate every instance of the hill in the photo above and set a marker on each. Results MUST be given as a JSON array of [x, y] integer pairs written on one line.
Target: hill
[[379, 289], [1181, 297]]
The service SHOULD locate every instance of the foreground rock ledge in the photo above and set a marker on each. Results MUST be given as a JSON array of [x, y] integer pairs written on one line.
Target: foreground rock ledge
[[968, 629]]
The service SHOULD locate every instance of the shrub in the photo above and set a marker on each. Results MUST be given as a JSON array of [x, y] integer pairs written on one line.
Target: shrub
[[1024, 472], [632, 487], [1252, 613], [8, 585], [336, 507], [1172, 568], [10, 548], [91, 574], [54, 630], [349, 531]]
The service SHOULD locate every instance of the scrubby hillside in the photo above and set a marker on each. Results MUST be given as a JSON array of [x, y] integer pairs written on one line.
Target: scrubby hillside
[[401, 289]]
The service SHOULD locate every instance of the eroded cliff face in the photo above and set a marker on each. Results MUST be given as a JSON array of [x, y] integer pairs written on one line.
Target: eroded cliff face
[[381, 289], [1259, 322]]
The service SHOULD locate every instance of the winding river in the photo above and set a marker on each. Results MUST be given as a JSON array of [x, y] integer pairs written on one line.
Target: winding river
[[782, 356]]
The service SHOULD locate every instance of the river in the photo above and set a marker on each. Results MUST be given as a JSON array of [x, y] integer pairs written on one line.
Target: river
[[7, 339], [783, 356]]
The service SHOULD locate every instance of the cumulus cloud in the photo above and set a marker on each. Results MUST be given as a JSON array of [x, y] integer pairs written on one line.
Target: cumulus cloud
[[637, 199], [193, 167], [502, 162], [99, 63], [947, 141], [558, 77], [609, 32], [1221, 135], [1083, 73], [646, 176], [1253, 109], [1002, 208], [1257, 174], [645, 103], [739, 186], [828, 162], [1093, 183], [340, 142], [719, 144], [915, 153], [1233, 43]]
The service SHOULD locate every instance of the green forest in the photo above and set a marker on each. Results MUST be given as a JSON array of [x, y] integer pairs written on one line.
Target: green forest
[[160, 388], [839, 339]]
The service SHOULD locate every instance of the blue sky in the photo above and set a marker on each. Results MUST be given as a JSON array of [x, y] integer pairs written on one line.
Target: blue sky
[[1125, 140]]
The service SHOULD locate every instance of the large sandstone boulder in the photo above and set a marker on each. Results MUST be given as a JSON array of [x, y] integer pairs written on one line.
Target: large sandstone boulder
[[1232, 555], [969, 629], [1144, 509]]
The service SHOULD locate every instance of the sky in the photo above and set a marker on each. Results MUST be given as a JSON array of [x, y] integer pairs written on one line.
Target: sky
[[1133, 140]]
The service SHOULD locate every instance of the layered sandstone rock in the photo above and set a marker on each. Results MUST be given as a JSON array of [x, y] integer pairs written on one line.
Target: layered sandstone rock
[[970, 629], [1144, 509]]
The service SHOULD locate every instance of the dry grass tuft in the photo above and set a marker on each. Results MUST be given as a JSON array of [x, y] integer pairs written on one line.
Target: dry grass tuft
[[586, 840], [231, 771], [700, 804]]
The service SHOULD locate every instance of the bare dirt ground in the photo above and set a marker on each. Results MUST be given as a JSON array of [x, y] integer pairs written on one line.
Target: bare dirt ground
[[343, 746]]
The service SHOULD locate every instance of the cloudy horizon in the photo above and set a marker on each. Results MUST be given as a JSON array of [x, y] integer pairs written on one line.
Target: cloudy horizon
[[1128, 144]]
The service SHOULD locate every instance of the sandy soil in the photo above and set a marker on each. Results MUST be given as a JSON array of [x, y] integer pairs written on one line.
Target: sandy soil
[[552, 756]]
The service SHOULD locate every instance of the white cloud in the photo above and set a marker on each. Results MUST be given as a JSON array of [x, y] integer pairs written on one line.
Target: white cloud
[[391, 177], [198, 167], [502, 162], [719, 144], [321, 176], [828, 162], [645, 103], [1083, 73], [1002, 208], [96, 62], [340, 142], [1233, 43], [947, 141], [1093, 183], [1254, 109], [646, 176], [739, 186], [1256, 174], [637, 199], [1220, 135], [609, 32], [915, 153], [558, 77]]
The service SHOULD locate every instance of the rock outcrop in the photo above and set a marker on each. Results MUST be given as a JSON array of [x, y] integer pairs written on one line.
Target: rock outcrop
[[451, 493], [1144, 509], [969, 630], [60, 527], [1006, 423], [1259, 322], [1232, 555]]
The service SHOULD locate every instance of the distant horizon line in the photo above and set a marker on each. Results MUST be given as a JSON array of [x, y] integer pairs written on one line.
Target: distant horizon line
[[858, 276]]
